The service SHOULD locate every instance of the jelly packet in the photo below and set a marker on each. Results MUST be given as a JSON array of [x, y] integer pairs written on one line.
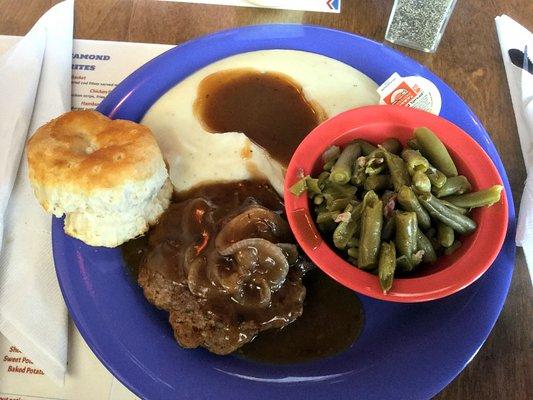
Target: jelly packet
[[410, 91]]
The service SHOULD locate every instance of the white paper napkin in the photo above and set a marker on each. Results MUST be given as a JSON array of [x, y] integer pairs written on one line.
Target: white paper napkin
[[20, 69], [512, 35], [32, 311]]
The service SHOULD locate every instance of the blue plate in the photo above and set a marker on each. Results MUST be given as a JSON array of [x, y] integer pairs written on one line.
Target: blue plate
[[406, 351]]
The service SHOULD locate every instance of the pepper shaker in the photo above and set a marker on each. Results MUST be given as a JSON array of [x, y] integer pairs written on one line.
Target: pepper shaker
[[419, 24]]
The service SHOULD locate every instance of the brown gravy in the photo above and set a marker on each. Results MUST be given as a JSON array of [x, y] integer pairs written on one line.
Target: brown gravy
[[180, 222], [235, 299], [332, 317], [268, 107], [331, 321]]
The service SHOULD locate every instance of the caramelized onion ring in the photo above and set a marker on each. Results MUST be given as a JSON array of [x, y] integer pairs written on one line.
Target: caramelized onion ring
[[290, 250], [267, 223], [266, 251], [225, 275], [263, 300], [193, 278]]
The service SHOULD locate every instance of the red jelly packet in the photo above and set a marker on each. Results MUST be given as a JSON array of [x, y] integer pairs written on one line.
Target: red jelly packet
[[410, 91]]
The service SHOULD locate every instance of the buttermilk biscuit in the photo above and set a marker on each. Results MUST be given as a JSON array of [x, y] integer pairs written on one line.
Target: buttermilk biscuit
[[106, 176]]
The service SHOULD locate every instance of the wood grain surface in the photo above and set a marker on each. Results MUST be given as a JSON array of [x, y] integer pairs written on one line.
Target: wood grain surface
[[468, 59]]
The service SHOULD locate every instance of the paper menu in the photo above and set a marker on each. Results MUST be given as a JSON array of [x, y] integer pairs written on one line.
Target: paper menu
[[87, 378], [6, 42], [332, 6], [97, 67]]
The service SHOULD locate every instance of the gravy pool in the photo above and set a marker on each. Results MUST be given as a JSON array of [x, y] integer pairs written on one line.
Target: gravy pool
[[332, 320]]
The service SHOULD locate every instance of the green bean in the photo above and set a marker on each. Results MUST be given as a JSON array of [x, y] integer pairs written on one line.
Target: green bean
[[406, 228], [399, 174], [352, 252], [329, 164], [458, 222], [446, 236], [353, 242], [366, 147], [452, 206], [299, 187], [341, 172], [318, 199], [331, 153], [387, 265], [370, 198], [370, 235], [377, 153], [322, 179], [481, 198], [434, 150], [337, 204], [421, 182], [454, 185], [431, 234], [312, 186], [392, 145], [359, 177], [405, 264], [453, 248], [409, 202], [424, 244], [346, 229], [419, 213], [388, 228], [413, 144], [320, 208], [326, 216], [374, 168], [437, 178], [375, 163], [357, 209], [335, 190], [415, 161], [377, 182], [342, 233]]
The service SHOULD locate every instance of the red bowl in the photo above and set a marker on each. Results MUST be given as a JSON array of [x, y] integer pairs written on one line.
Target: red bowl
[[375, 124]]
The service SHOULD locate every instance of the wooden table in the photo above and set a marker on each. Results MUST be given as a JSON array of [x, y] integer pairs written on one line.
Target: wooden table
[[468, 59]]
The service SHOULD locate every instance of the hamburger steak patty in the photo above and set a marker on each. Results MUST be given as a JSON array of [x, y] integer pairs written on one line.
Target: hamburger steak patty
[[223, 263], [195, 325]]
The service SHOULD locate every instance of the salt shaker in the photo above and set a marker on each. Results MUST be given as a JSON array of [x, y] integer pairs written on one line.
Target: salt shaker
[[419, 24]]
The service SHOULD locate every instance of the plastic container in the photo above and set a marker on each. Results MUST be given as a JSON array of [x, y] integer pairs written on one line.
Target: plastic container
[[419, 24]]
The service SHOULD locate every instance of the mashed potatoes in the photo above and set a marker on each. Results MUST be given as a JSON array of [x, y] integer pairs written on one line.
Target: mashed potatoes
[[196, 156]]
